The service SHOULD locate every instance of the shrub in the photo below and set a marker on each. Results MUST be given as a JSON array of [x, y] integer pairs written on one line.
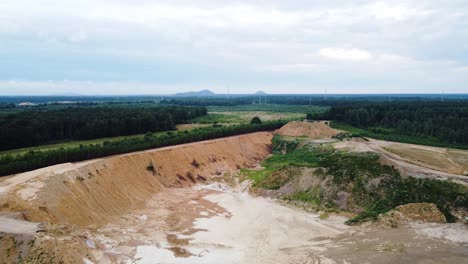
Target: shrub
[[256, 121], [151, 167]]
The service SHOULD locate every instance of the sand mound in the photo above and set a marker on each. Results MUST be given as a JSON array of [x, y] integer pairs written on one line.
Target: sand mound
[[97, 191], [412, 212], [312, 130]]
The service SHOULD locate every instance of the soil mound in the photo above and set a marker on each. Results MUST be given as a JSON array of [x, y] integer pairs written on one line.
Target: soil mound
[[312, 130], [412, 212], [97, 191]]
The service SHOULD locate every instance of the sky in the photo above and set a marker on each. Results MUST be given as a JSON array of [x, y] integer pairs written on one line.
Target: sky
[[99, 47]]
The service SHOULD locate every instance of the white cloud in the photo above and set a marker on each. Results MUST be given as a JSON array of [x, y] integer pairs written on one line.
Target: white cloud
[[394, 58], [345, 54], [232, 39], [382, 10], [462, 69], [78, 37], [292, 68]]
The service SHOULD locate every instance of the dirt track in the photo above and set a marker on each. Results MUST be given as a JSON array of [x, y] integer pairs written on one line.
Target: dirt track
[[415, 160]]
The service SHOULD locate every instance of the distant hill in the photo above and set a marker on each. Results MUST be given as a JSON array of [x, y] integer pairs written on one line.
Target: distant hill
[[196, 94], [260, 92]]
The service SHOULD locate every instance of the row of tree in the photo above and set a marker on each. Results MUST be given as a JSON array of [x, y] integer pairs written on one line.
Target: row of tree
[[37, 159], [30, 128], [304, 99], [447, 122]]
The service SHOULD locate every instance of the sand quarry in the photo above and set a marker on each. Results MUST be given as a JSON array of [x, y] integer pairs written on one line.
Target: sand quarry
[[191, 208]]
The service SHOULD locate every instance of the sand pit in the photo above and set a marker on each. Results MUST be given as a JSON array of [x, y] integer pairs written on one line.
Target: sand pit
[[207, 224], [247, 230], [311, 130], [115, 210]]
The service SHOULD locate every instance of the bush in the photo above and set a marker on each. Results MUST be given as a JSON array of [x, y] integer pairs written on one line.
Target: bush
[[256, 121], [151, 167]]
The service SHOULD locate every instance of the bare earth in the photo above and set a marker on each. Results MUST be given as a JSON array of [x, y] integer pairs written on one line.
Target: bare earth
[[311, 130]]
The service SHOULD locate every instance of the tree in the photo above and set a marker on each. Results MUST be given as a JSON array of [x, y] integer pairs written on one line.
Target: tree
[[256, 121]]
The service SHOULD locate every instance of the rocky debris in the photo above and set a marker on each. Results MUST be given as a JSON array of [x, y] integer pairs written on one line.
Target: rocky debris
[[461, 215], [412, 212]]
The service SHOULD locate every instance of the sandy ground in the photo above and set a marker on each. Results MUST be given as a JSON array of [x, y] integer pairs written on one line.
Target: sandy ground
[[415, 160], [311, 130], [218, 224], [17, 226], [249, 230], [96, 191]]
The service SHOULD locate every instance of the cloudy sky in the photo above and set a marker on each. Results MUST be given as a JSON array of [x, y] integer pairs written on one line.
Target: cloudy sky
[[294, 46]]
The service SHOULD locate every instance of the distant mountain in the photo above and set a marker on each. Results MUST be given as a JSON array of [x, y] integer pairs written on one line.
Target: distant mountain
[[260, 92], [196, 94]]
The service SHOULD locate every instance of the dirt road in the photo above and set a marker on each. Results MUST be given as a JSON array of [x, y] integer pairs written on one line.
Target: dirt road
[[415, 160]]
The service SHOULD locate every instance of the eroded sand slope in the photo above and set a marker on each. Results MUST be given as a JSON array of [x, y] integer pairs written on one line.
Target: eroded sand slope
[[95, 192]]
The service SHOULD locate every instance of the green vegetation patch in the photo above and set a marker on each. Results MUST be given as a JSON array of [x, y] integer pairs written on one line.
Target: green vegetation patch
[[355, 182]]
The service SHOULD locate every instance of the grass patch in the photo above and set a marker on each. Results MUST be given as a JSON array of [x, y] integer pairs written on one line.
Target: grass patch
[[211, 118]]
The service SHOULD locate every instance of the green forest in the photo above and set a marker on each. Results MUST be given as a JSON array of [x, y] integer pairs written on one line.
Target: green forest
[[445, 122], [35, 127]]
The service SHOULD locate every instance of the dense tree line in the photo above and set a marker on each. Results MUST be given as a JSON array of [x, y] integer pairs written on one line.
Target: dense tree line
[[305, 99], [30, 128], [37, 159], [7, 105], [445, 121]]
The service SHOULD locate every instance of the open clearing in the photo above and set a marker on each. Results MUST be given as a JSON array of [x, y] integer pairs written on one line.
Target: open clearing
[[237, 117]]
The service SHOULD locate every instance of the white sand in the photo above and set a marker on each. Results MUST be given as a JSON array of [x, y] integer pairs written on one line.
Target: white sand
[[259, 231]]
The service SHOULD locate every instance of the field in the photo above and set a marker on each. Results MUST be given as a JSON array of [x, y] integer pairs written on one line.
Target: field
[[238, 117], [266, 112]]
